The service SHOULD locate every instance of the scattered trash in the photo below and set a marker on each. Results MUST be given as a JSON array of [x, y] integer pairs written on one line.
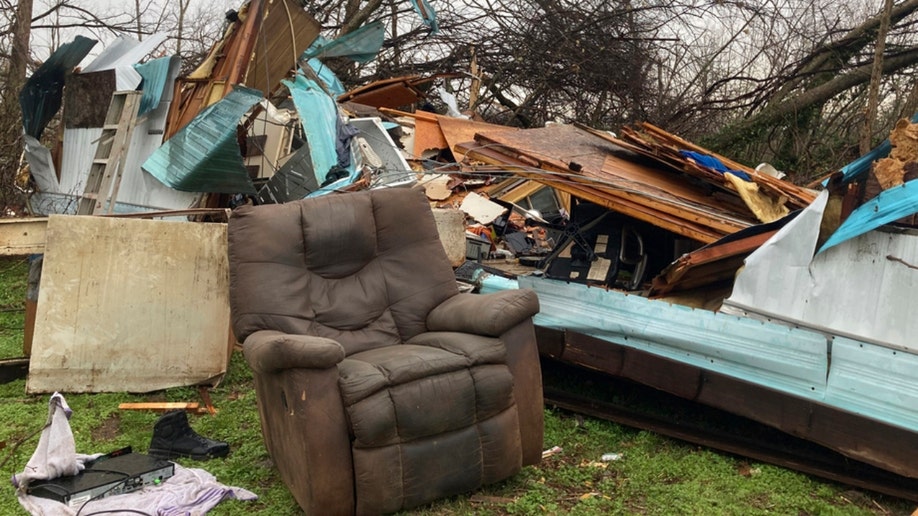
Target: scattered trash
[[552, 451], [610, 457]]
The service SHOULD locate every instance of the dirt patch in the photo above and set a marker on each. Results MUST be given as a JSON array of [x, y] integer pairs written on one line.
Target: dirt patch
[[108, 429]]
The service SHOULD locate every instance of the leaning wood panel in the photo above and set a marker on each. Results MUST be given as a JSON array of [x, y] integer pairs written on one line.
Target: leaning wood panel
[[130, 305]]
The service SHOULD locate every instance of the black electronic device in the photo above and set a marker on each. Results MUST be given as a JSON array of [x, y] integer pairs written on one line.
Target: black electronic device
[[115, 473]]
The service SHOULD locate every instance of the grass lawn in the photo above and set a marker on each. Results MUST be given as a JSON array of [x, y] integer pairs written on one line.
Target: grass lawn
[[651, 474]]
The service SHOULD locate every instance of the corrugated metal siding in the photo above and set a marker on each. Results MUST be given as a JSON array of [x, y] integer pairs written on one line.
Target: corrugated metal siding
[[850, 375], [776, 356], [874, 381], [204, 156]]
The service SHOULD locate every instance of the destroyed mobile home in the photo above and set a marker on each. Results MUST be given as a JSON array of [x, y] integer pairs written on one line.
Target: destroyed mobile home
[[653, 259]]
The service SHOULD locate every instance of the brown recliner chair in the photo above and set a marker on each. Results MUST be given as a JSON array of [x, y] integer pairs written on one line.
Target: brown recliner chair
[[380, 387]]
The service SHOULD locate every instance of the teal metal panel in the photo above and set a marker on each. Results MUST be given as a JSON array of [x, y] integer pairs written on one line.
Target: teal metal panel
[[319, 116], [327, 76], [361, 45], [204, 156], [874, 381], [776, 356], [870, 380], [155, 75], [427, 14], [41, 97], [889, 206]]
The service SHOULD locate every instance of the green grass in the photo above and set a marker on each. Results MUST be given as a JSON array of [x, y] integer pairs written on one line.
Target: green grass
[[14, 274], [654, 475]]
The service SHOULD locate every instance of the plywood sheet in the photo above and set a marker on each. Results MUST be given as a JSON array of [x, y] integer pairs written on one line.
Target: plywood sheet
[[427, 135], [460, 130], [130, 305]]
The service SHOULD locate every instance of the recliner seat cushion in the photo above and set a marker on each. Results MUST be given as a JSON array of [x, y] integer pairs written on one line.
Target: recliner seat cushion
[[400, 393], [432, 417]]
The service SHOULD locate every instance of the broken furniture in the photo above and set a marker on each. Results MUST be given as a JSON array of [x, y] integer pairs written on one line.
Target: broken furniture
[[597, 247], [380, 387]]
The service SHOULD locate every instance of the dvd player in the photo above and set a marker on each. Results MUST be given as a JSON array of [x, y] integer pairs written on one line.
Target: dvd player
[[115, 473]]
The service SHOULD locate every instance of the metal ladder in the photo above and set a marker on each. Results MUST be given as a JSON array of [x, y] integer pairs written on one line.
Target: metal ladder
[[104, 179]]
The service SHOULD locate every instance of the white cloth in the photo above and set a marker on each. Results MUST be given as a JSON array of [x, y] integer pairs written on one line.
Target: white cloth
[[55, 456], [189, 492]]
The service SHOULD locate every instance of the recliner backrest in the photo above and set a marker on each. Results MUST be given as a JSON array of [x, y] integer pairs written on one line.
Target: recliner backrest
[[362, 268]]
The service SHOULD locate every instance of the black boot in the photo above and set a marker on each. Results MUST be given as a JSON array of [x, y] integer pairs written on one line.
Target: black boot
[[172, 437]]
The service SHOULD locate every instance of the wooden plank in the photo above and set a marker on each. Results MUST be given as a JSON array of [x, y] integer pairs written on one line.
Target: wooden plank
[[21, 237], [104, 178], [161, 406], [459, 130], [797, 197]]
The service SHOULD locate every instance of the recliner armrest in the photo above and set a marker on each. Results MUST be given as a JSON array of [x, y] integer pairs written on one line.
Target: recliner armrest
[[484, 314], [268, 351]]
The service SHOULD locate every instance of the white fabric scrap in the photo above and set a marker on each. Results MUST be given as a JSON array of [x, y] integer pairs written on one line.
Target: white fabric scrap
[[188, 492], [55, 456]]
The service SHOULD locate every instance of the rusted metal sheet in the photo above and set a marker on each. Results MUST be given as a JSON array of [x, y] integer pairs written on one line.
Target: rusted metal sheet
[[393, 93], [427, 134], [285, 33], [714, 263], [260, 47], [224, 66], [435, 131], [19, 237], [620, 201]]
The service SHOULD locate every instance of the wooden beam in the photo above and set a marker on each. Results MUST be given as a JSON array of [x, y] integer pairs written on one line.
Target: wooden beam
[[162, 406], [20, 237]]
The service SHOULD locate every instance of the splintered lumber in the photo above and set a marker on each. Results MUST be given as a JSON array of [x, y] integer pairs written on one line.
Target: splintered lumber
[[659, 144], [616, 201], [164, 406], [590, 167]]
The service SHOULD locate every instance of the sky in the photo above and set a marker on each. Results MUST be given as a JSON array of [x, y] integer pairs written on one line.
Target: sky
[[43, 39]]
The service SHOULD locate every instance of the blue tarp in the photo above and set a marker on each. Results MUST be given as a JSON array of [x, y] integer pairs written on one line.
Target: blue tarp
[[714, 164], [204, 156], [42, 95]]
